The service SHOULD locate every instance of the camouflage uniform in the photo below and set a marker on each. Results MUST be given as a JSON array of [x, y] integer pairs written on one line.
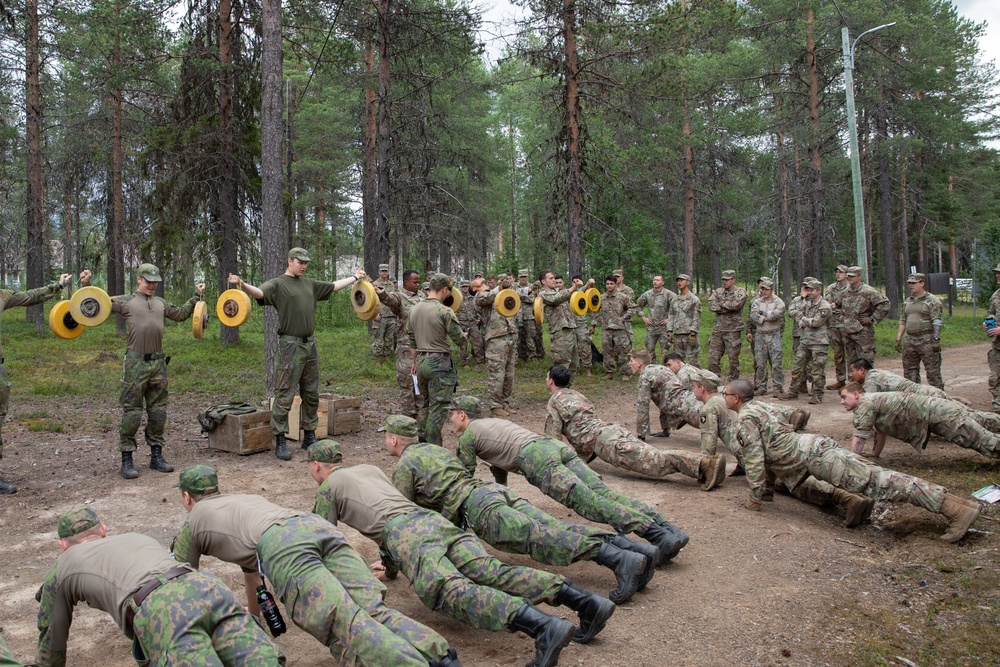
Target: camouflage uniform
[[727, 333], [676, 403], [501, 350], [683, 323], [922, 343], [766, 324], [835, 330], [810, 358], [717, 422], [561, 320], [6, 657], [993, 356], [616, 343], [878, 380], [583, 341], [863, 308], [686, 373], [399, 303], [383, 327], [659, 304], [526, 333], [536, 288], [468, 319], [912, 419], [795, 308]]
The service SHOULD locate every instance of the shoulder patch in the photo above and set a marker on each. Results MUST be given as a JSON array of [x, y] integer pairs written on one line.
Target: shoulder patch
[[704, 419]]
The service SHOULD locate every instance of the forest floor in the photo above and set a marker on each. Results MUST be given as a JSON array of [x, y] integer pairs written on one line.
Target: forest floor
[[785, 586]]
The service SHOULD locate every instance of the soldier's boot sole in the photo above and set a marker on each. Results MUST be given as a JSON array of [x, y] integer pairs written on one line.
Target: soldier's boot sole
[[551, 634], [799, 419], [960, 514], [713, 470], [857, 508]]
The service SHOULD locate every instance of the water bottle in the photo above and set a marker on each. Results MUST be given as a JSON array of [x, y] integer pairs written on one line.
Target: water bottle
[[269, 610], [990, 322]]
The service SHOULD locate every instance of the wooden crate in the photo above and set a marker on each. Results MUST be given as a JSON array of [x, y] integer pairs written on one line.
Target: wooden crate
[[243, 434], [294, 418], [344, 414]]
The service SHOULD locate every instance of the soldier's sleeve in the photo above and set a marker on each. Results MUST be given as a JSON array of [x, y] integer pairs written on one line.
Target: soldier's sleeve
[[119, 303], [751, 324], [180, 313], [779, 310], [391, 300], [864, 420], [696, 319], [412, 339], [739, 300], [819, 319], [554, 297], [389, 563], [643, 396], [466, 451], [32, 296], [752, 449], [455, 330], [936, 310], [323, 290], [402, 479], [184, 548], [553, 422], [709, 425], [55, 614], [500, 475], [641, 302], [880, 307], [326, 504], [713, 302]]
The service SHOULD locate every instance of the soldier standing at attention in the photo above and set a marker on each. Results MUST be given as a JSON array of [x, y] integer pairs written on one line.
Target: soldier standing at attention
[[863, 308], [501, 350], [810, 358], [658, 300], [172, 613], [921, 322], [993, 356], [795, 307], [468, 319], [399, 303], [429, 327], [627, 291], [9, 299], [526, 333], [383, 327], [616, 343], [765, 324], [727, 333], [835, 327], [583, 331], [560, 319], [684, 320], [297, 367]]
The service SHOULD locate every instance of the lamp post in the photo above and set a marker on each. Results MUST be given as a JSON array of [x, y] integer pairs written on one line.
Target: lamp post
[[860, 240]]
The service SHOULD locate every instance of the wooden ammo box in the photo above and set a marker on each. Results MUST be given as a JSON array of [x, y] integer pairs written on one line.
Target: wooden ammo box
[[243, 434], [343, 414]]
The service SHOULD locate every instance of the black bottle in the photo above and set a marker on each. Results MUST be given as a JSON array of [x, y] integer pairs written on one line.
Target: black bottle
[[269, 610]]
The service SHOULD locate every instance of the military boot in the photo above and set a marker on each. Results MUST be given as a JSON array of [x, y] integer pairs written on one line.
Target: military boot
[[789, 395], [6, 487], [651, 552], [593, 610], [281, 448], [711, 472], [960, 514], [816, 398], [551, 634], [499, 412], [308, 439], [627, 566], [156, 460], [799, 419], [128, 470], [660, 434], [836, 385], [857, 509], [449, 660], [669, 543]]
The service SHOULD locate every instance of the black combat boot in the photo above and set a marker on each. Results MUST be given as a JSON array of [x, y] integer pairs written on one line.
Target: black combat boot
[[281, 449], [550, 633], [627, 566], [669, 542], [128, 470], [593, 610], [6, 487], [449, 660], [156, 460], [308, 439], [651, 552]]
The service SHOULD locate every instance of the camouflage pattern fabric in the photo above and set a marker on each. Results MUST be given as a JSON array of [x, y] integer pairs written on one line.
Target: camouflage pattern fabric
[[621, 449], [686, 374], [659, 304], [468, 319], [558, 314], [810, 364], [794, 311], [196, 620], [6, 657], [4, 402], [453, 573], [684, 315], [329, 591], [583, 341], [691, 353], [297, 369], [616, 345], [399, 303], [716, 422], [835, 329], [501, 357], [721, 344], [526, 332], [659, 385], [143, 382], [922, 348], [863, 308], [993, 356], [728, 308], [437, 378], [383, 335], [563, 348], [767, 352], [878, 380]]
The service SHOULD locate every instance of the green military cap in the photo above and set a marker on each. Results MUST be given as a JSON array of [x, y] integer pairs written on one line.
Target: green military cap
[[300, 254], [766, 282], [325, 451], [618, 272], [467, 404], [198, 479], [683, 276], [400, 425], [707, 378], [425, 286], [812, 283], [841, 268], [916, 278], [523, 272], [465, 283], [854, 271], [440, 280], [149, 273], [76, 521], [728, 274], [383, 267]]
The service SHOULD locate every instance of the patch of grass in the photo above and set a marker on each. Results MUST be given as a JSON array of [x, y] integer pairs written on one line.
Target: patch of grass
[[49, 425]]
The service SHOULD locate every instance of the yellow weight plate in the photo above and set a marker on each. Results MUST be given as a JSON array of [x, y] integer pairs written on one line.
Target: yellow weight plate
[[454, 299], [578, 303], [593, 299], [539, 310], [371, 313], [90, 306], [233, 307], [199, 320], [507, 303], [62, 323], [363, 296]]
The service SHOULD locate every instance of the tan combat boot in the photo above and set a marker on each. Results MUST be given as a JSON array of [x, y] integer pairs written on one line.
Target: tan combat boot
[[960, 514], [789, 395], [711, 472], [835, 385], [857, 509], [799, 419], [499, 412]]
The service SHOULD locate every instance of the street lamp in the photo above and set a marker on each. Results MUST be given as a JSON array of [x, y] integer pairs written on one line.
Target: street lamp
[[861, 241]]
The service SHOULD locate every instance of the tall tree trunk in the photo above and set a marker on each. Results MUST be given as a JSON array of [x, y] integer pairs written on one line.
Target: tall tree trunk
[[571, 128], [380, 252], [35, 193], [889, 255], [69, 184], [687, 166], [116, 207], [816, 164], [369, 160], [784, 222], [225, 250], [800, 220], [904, 221]]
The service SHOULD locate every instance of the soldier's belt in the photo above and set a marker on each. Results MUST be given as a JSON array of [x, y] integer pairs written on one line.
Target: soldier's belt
[[298, 339], [140, 595], [422, 353], [147, 356]]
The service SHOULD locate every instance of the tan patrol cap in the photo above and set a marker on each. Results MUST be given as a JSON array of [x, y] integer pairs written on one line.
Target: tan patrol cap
[[916, 278], [854, 271], [683, 276], [728, 274]]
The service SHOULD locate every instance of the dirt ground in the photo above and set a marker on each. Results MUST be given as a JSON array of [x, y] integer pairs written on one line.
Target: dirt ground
[[785, 586]]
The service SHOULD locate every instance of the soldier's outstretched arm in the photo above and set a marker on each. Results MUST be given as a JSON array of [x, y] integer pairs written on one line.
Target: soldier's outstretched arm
[[251, 580], [54, 618], [253, 291], [752, 447]]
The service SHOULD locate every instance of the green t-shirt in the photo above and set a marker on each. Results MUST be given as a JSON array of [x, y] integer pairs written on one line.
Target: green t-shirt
[[295, 300]]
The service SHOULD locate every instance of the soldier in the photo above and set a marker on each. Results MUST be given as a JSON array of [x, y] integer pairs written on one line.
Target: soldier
[[383, 327], [324, 584], [9, 299], [536, 289], [769, 445], [920, 320], [912, 419], [685, 372], [399, 303], [172, 614], [616, 343], [468, 319], [835, 326], [795, 308], [449, 568], [501, 350], [658, 300], [992, 328], [684, 320], [727, 333], [491, 282], [526, 332], [810, 357], [659, 384], [572, 416], [297, 367], [863, 308], [627, 291], [583, 331], [430, 325], [878, 380], [560, 319], [765, 325], [144, 372]]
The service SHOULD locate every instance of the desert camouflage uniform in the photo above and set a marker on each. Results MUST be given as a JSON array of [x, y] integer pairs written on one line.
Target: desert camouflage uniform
[[6, 657], [435, 479], [399, 302], [810, 358], [326, 587], [727, 333], [383, 328], [913, 419], [863, 308], [526, 333], [835, 330], [193, 619], [659, 304], [766, 323], [583, 341], [432, 323], [468, 319], [616, 341], [918, 315], [501, 350], [683, 320], [561, 321], [993, 356], [676, 403]]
